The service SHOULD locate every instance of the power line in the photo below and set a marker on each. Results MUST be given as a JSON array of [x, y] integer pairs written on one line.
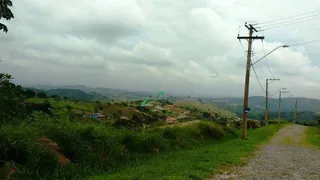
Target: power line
[[292, 20], [316, 40], [253, 69], [260, 66], [258, 78], [255, 54], [289, 24], [266, 22], [267, 60]]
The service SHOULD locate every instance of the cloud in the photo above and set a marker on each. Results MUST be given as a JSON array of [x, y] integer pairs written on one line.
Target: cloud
[[180, 47]]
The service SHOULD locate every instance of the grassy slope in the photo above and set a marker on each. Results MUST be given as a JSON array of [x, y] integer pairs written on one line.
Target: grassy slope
[[205, 107], [85, 106], [313, 136], [197, 163]]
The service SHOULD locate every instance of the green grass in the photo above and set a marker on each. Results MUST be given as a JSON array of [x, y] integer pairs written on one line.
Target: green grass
[[197, 163], [94, 148], [313, 136], [82, 106]]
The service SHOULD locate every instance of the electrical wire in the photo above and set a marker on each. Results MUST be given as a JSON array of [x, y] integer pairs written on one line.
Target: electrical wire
[[293, 20], [266, 22], [316, 40], [258, 79], [288, 24], [260, 66], [253, 69], [267, 60]]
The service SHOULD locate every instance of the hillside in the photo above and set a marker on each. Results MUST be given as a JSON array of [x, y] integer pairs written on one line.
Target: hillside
[[116, 94], [257, 103], [186, 102], [64, 138], [75, 94]]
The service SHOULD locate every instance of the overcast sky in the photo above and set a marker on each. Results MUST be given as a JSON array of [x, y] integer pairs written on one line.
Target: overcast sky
[[176, 46]]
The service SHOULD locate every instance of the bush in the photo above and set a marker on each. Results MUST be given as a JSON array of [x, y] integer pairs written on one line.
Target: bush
[[263, 123], [211, 131], [253, 124], [44, 107], [42, 95], [91, 148], [236, 124]]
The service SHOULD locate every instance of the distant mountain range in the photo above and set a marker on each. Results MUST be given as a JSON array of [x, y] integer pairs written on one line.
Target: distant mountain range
[[256, 103], [116, 94]]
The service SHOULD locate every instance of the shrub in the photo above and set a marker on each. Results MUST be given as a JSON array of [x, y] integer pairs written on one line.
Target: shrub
[[236, 124], [211, 131], [91, 148], [253, 124]]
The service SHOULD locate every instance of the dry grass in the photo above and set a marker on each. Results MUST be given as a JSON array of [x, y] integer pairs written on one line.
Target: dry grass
[[205, 107]]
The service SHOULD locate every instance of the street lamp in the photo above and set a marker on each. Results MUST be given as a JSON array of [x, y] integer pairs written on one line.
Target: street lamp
[[282, 46], [246, 89], [278, 91]]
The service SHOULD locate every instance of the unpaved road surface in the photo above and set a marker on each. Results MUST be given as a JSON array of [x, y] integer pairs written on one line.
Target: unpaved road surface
[[285, 157]]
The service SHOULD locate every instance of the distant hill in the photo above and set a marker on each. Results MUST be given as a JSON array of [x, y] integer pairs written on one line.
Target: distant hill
[[109, 92], [257, 103], [70, 93], [193, 102], [75, 94], [307, 107]]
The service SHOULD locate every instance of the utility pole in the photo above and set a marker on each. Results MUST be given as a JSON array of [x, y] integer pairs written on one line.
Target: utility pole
[[267, 106], [280, 92], [250, 38], [295, 111]]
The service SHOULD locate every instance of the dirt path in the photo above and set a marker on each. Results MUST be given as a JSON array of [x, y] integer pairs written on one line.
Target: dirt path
[[287, 156]]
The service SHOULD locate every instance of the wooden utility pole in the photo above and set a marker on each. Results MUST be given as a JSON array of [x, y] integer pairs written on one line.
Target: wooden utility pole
[[295, 111], [250, 38], [267, 106], [280, 92]]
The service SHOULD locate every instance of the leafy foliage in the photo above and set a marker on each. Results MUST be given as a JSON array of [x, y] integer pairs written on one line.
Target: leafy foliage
[[11, 99], [5, 13]]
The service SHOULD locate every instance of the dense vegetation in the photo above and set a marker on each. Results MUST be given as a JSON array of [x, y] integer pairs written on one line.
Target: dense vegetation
[[197, 163], [53, 137]]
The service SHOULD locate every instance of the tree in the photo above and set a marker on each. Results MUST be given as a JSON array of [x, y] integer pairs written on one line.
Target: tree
[[11, 99], [29, 93], [318, 119], [42, 95], [5, 13], [56, 97]]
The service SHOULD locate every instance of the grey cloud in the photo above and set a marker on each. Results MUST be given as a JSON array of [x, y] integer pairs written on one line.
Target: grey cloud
[[158, 44]]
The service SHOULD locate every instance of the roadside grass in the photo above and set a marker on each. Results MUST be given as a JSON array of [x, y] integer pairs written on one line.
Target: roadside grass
[[199, 162], [313, 136], [94, 148]]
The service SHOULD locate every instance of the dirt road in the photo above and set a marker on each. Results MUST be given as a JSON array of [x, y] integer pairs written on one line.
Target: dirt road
[[287, 156]]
